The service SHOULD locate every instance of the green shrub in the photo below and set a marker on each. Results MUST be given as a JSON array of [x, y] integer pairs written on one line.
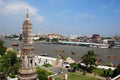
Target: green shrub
[[103, 72], [107, 73], [12, 75], [43, 74], [84, 72], [98, 71], [47, 65]]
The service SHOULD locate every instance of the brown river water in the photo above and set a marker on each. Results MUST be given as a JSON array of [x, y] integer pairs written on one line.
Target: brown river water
[[41, 48]]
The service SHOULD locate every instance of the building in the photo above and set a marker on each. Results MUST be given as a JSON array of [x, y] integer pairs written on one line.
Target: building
[[117, 44], [53, 35], [27, 70], [105, 41], [96, 38]]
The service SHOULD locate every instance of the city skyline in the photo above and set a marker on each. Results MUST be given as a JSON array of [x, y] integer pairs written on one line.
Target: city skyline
[[70, 17]]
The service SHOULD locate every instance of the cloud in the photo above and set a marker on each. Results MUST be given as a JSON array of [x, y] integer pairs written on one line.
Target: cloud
[[1, 1], [64, 12], [84, 15], [19, 7]]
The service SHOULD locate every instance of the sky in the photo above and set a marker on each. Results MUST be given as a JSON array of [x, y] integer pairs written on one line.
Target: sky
[[67, 17]]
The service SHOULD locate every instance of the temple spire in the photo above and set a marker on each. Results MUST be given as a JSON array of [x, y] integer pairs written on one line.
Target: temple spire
[[27, 69], [27, 14]]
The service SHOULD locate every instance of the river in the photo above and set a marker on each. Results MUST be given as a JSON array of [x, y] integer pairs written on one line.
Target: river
[[78, 50]]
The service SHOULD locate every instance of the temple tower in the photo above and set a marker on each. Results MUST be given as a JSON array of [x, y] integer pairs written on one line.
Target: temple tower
[[27, 69]]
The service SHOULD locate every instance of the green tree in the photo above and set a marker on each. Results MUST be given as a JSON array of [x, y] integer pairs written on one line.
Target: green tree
[[47, 40], [20, 37], [41, 39], [107, 73], [74, 66], [54, 40], [1, 42], [9, 64], [89, 60], [2, 47], [15, 36]]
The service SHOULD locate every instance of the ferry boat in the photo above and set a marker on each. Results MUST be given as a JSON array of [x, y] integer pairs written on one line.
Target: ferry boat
[[15, 44]]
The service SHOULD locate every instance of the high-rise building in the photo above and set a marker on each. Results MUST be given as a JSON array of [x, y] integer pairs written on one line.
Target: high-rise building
[[27, 70]]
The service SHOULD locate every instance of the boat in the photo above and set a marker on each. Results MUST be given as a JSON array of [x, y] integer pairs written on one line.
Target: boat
[[58, 50], [96, 45], [15, 44], [73, 53], [112, 56]]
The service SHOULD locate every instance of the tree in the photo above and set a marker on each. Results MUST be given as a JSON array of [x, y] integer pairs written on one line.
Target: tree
[[89, 60], [2, 47], [47, 40], [74, 66], [107, 73], [1, 42], [2, 50], [20, 37], [54, 40], [116, 71], [15, 36], [11, 64]]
